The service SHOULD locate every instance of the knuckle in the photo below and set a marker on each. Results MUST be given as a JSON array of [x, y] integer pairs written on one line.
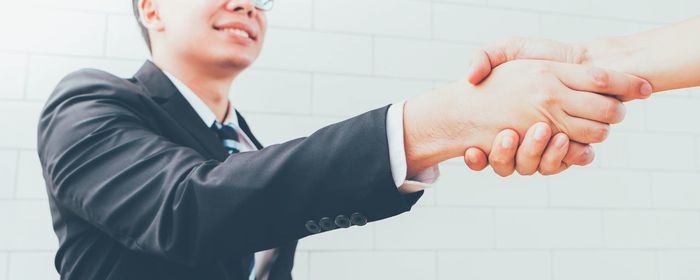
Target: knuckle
[[512, 41], [500, 161], [613, 112], [530, 154], [548, 97], [585, 157], [543, 69], [601, 78], [597, 134]]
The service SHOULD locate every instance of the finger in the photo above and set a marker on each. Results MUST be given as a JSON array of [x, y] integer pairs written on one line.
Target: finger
[[592, 79], [530, 152], [553, 157], [475, 159], [586, 131], [502, 157], [579, 154], [480, 68], [593, 107]]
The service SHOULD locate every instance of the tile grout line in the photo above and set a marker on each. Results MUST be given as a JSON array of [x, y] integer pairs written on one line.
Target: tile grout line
[[603, 231]]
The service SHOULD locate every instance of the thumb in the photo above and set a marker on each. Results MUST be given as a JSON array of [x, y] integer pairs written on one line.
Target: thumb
[[480, 68], [484, 60], [521, 48], [475, 159]]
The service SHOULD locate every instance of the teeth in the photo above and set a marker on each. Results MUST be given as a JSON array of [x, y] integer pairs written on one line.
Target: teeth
[[237, 31]]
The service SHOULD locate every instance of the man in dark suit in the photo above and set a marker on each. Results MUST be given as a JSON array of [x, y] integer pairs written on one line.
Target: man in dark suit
[[159, 177]]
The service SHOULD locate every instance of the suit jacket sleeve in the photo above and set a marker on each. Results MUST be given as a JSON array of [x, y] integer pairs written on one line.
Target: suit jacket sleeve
[[107, 164]]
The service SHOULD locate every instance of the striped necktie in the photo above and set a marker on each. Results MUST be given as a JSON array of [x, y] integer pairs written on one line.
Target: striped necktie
[[228, 136]]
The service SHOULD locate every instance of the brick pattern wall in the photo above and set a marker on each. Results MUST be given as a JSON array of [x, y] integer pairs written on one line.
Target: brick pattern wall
[[634, 214]]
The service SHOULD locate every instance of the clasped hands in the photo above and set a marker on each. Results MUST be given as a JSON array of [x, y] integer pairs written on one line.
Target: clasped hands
[[529, 105], [595, 102]]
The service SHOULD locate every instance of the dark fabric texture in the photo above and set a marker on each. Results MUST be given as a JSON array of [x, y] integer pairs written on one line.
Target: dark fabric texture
[[140, 188]]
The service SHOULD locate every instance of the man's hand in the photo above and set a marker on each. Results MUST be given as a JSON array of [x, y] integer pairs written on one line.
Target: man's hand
[[444, 123], [521, 48]]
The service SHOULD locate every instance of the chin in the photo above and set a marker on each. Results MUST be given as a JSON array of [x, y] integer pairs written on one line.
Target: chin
[[235, 62]]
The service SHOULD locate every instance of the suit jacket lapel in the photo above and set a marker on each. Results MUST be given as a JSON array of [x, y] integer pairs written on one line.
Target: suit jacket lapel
[[244, 125], [166, 94]]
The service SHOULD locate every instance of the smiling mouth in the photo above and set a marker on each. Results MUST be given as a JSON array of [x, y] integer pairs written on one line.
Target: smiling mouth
[[237, 32]]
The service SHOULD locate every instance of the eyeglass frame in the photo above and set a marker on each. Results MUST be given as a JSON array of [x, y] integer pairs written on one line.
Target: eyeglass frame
[[263, 5]]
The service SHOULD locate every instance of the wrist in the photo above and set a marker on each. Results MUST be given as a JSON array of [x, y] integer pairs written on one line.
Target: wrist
[[433, 131], [610, 53]]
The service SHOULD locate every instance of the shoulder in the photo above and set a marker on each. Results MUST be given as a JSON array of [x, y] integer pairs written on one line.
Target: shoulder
[[92, 85], [95, 83], [87, 99]]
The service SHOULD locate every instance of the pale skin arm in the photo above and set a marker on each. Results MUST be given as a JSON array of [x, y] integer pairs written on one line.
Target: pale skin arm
[[667, 57]]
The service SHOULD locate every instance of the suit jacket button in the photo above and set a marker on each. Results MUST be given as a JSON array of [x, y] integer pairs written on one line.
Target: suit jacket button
[[312, 227], [326, 223], [342, 221], [358, 219]]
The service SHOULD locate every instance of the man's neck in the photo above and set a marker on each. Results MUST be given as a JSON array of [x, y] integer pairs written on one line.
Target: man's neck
[[211, 88]]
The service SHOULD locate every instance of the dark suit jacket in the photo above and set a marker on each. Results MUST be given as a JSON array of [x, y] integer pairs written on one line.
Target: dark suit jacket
[[141, 188]]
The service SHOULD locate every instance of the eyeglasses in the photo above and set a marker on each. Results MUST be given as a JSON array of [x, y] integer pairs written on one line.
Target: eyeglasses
[[264, 5]]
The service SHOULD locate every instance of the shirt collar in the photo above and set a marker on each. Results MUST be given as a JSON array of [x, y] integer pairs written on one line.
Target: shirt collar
[[206, 114]]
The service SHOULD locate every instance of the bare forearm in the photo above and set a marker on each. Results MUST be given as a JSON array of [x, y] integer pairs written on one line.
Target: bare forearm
[[667, 57]]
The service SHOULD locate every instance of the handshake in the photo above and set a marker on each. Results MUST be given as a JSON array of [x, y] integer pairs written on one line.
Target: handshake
[[528, 105]]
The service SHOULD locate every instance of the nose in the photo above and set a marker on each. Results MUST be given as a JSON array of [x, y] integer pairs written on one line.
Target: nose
[[241, 6]]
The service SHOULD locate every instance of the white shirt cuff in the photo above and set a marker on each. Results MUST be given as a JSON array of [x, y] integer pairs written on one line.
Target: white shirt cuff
[[397, 155]]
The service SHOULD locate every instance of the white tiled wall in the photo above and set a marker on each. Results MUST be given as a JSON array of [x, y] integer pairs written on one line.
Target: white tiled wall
[[633, 215]]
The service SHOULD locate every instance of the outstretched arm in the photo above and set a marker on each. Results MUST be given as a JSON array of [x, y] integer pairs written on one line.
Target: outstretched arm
[[667, 57]]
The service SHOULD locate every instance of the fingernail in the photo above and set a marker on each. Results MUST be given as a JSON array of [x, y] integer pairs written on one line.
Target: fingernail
[[539, 132], [560, 142], [645, 90], [506, 142], [471, 157]]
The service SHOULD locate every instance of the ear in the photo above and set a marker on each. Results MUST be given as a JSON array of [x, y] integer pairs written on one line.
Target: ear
[[150, 16]]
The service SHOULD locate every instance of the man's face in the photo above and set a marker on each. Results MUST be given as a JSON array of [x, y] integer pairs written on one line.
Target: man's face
[[225, 33]]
